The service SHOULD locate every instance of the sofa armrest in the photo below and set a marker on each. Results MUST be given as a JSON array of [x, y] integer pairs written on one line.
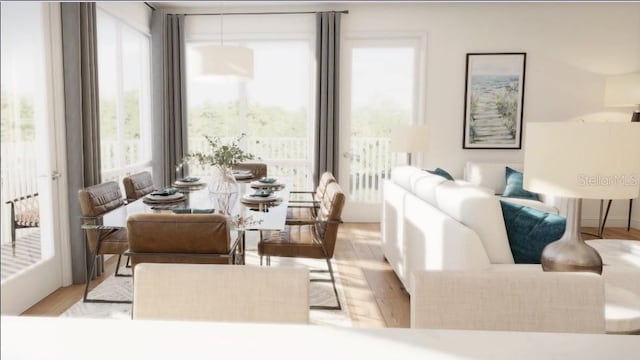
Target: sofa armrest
[[510, 301]]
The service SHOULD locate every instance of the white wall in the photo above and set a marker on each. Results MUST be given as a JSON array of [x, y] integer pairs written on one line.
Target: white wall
[[570, 50]]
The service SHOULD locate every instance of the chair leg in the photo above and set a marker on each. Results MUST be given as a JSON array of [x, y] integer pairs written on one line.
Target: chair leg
[[128, 264], [268, 260], [88, 281], [260, 260], [13, 230], [335, 291], [118, 268]]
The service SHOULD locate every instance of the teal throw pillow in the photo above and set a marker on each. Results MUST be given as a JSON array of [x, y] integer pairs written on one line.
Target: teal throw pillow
[[440, 172], [514, 187], [530, 230]]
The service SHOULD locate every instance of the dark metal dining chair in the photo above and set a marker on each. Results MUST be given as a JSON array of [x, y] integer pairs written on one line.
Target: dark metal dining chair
[[96, 201], [307, 209], [180, 238], [314, 239], [137, 185]]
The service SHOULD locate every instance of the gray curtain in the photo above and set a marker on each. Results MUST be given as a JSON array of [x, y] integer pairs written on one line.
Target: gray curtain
[[169, 96], [79, 42], [327, 98]]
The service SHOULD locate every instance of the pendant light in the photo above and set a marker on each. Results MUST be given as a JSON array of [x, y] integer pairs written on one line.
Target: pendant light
[[226, 60]]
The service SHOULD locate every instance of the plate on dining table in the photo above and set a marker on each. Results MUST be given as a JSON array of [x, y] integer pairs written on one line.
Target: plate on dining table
[[275, 185], [256, 199], [160, 199], [189, 182]]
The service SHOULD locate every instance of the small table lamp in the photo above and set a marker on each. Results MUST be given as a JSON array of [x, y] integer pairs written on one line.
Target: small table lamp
[[409, 138], [624, 91], [579, 161]]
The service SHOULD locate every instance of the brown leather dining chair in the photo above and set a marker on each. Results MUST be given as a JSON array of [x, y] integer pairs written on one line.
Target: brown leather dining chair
[[314, 239], [137, 185], [95, 201], [180, 238], [306, 210], [259, 170]]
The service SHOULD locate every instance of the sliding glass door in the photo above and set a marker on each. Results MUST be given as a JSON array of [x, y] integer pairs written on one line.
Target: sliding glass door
[[380, 83], [31, 192]]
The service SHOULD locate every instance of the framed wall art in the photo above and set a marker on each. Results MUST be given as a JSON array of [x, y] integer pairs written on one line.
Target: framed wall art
[[494, 96]]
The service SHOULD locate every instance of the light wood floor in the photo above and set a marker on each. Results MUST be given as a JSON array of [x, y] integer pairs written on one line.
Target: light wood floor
[[375, 297]]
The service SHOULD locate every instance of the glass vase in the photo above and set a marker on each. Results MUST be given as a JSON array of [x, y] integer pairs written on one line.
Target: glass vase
[[223, 189]]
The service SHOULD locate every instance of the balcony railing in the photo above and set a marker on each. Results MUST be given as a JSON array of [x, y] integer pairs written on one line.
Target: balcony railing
[[286, 156], [371, 163]]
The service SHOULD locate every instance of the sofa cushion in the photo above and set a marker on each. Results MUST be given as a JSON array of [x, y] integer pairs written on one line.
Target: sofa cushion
[[491, 175], [481, 212], [530, 230], [514, 187], [538, 205], [425, 186], [405, 176], [440, 172]]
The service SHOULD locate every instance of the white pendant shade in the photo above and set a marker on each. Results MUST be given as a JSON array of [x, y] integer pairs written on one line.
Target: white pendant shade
[[225, 60], [583, 160]]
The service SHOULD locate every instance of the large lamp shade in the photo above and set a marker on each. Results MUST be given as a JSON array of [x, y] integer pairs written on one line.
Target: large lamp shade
[[409, 138], [583, 160], [622, 90], [225, 60], [579, 160]]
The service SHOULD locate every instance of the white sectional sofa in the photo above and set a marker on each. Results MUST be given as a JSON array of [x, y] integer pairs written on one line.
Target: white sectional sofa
[[447, 243], [491, 176]]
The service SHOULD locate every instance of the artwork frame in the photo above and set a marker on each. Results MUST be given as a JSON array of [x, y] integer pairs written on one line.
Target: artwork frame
[[494, 100]]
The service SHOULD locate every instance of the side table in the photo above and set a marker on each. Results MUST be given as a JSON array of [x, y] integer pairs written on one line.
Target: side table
[[621, 271]]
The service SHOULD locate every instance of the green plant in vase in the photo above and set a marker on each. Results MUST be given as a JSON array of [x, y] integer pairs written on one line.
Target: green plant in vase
[[220, 157]]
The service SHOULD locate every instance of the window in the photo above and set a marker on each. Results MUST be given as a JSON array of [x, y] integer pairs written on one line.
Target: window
[[381, 82], [274, 109], [23, 127], [124, 85]]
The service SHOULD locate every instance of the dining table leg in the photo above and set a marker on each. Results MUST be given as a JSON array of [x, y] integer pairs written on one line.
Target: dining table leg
[[242, 246]]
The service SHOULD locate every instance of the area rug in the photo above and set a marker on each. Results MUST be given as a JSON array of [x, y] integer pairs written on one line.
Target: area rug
[[120, 288]]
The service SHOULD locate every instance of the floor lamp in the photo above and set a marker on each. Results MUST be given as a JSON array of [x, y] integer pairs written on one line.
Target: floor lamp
[[578, 160], [409, 139], [623, 91]]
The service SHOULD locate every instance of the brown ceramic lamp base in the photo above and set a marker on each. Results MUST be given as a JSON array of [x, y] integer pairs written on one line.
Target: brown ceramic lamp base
[[570, 252]]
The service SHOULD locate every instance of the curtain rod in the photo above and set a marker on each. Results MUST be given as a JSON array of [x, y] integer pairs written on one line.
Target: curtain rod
[[264, 13], [150, 6]]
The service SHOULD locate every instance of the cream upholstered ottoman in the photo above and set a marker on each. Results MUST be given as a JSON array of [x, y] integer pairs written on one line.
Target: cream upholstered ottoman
[[621, 272]]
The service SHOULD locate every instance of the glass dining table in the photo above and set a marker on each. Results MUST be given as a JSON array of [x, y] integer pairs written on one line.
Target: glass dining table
[[246, 213]]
